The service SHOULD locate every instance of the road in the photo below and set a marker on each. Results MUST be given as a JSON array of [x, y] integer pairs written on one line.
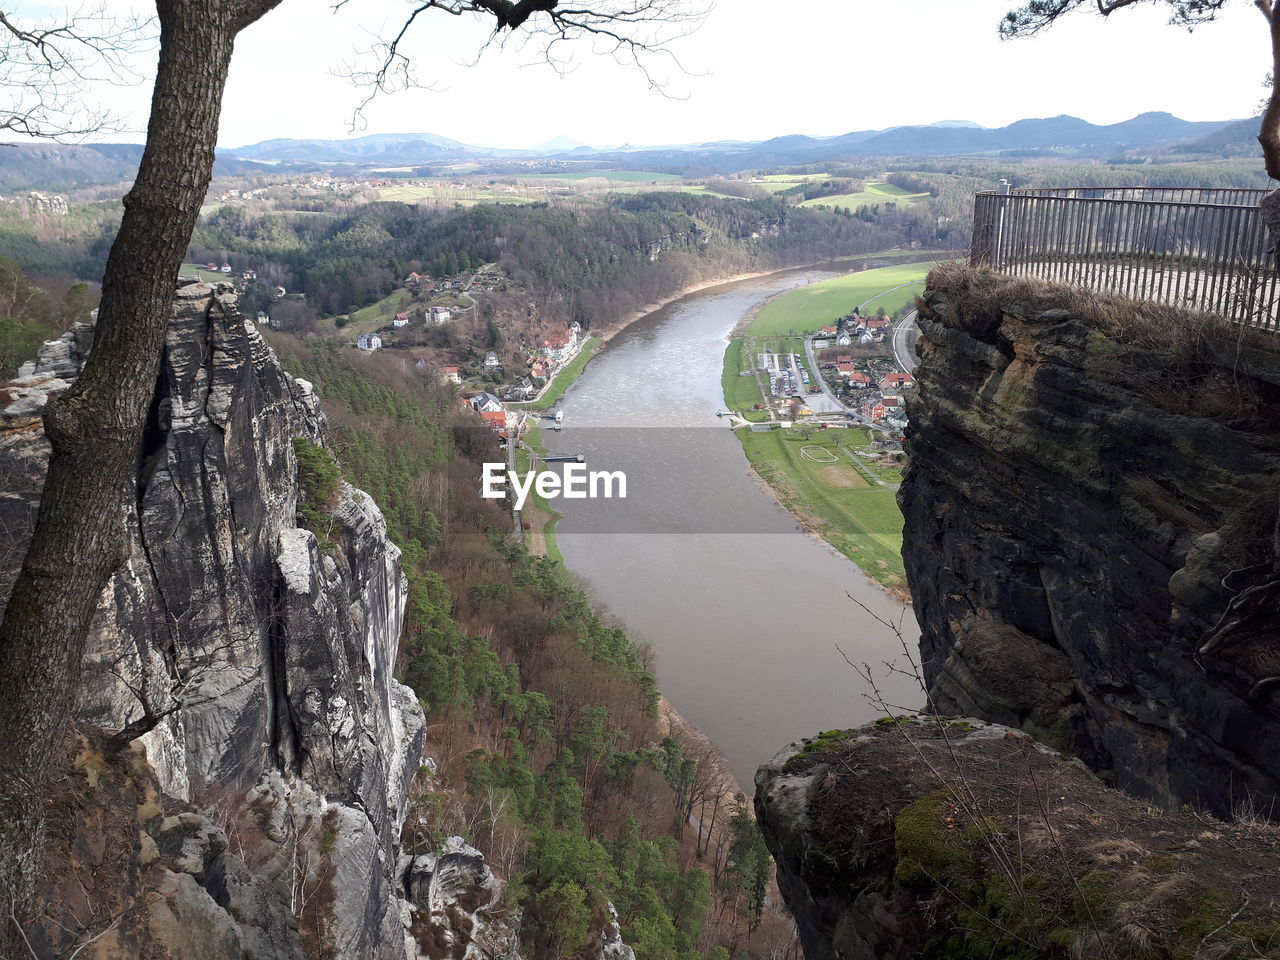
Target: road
[[904, 343]]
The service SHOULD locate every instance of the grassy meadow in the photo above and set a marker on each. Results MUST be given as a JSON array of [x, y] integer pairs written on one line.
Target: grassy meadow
[[835, 494], [817, 305], [875, 193]]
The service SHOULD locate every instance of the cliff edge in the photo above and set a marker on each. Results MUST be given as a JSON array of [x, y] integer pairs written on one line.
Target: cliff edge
[[1091, 482], [963, 840]]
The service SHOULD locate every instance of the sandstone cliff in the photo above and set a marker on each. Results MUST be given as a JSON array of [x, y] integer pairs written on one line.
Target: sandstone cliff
[[1090, 484], [260, 817], [970, 841]]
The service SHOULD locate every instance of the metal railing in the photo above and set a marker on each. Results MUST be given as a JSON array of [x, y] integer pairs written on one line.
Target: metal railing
[[1199, 248]]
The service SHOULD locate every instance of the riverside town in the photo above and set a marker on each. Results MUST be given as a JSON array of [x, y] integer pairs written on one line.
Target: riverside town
[[640, 480]]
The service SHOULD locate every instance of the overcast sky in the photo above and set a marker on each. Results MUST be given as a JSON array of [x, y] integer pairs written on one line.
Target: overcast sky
[[755, 69]]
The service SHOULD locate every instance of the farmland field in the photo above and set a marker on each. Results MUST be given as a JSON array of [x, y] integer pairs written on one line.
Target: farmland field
[[620, 176], [811, 307], [875, 193], [204, 273], [412, 193]]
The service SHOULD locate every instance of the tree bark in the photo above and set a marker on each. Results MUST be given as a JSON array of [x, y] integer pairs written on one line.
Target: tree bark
[[95, 432]]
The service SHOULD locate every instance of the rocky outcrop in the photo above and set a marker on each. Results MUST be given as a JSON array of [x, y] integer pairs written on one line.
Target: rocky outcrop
[[957, 838], [1090, 485], [261, 816], [453, 908]]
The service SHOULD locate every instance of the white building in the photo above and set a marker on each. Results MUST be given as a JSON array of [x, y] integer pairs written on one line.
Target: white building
[[369, 342]]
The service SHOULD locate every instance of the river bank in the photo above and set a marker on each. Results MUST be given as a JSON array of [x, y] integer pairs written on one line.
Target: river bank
[[826, 475], [741, 606]]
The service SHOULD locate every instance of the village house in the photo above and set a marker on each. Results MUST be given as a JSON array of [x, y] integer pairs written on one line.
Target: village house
[[225, 268], [830, 331], [821, 343], [559, 345], [486, 402], [843, 340], [877, 323], [859, 380], [440, 315], [450, 375], [520, 391], [894, 382], [873, 410], [401, 320], [491, 361], [844, 358], [845, 369], [369, 342], [539, 369], [496, 420]]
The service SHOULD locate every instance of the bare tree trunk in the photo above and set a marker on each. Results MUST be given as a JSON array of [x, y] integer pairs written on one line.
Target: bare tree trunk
[[95, 431]]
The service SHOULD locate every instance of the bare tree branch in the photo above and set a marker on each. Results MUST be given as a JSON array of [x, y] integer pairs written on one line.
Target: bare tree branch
[[47, 68], [637, 33]]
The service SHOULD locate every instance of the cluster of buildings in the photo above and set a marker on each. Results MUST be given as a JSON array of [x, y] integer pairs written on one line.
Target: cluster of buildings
[[874, 392], [852, 329]]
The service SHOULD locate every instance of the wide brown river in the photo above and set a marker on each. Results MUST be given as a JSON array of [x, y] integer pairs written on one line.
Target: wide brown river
[[743, 610]]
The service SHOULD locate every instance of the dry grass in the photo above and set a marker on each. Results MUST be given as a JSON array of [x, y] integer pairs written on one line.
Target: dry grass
[[1182, 361], [981, 296]]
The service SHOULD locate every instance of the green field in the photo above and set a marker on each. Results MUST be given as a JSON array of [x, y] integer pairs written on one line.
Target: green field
[[837, 499], [818, 305], [740, 393], [565, 377], [412, 193], [205, 274], [619, 176], [376, 315], [875, 193]]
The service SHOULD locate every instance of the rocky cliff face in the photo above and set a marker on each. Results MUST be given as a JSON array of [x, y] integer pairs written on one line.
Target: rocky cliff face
[[261, 816], [961, 839], [1083, 502]]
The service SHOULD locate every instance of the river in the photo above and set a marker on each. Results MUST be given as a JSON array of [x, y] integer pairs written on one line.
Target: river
[[742, 608]]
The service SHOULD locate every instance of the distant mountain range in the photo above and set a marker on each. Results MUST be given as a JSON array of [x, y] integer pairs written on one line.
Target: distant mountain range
[[61, 167]]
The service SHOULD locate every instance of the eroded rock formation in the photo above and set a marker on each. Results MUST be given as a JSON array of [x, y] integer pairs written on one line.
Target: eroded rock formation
[[1089, 487], [261, 816], [963, 839]]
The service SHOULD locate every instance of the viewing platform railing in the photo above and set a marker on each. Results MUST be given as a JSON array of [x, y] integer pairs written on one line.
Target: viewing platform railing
[[1199, 248]]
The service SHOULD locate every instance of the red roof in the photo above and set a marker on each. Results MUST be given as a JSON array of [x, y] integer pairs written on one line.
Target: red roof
[[860, 377], [402, 316], [448, 369], [845, 367], [845, 358], [558, 340]]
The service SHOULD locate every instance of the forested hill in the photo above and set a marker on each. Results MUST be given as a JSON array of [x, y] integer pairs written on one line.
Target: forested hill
[[586, 262]]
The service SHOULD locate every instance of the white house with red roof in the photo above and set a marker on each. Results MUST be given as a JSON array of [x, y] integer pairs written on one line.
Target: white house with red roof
[[893, 382]]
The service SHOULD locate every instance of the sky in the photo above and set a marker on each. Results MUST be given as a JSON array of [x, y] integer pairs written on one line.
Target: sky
[[753, 69]]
